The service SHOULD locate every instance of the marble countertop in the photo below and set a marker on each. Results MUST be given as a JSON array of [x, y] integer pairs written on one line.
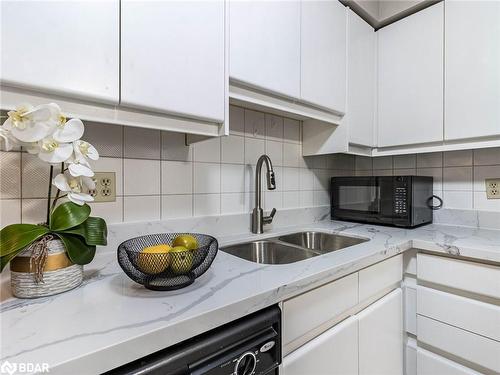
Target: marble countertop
[[110, 320]]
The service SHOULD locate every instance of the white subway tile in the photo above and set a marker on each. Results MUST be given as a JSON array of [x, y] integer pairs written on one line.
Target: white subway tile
[[291, 199], [457, 178], [112, 212], [141, 208], [291, 130], [382, 162], [430, 160], [236, 120], [10, 212], [232, 178], [306, 179], [483, 204], [367, 172], [405, 161], [10, 175], [250, 177], [404, 172], [273, 199], [106, 138], [233, 203], [274, 127], [206, 178], [233, 149], [487, 156], [105, 164], [176, 177], [35, 177], [275, 152], [457, 158], [291, 154], [458, 199], [34, 211], [363, 163], [206, 204], [435, 173], [254, 148], [175, 206], [342, 161], [141, 143], [141, 177], [255, 124], [173, 147], [321, 198], [306, 198], [207, 150], [382, 172], [290, 179], [481, 173]]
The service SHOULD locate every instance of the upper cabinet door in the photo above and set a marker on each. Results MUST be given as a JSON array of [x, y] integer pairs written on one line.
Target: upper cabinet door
[[173, 57], [362, 54], [410, 79], [472, 69], [323, 54], [69, 48], [265, 45]]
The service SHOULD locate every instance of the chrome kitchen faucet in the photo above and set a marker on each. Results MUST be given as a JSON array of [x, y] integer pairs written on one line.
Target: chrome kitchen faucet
[[258, 218]]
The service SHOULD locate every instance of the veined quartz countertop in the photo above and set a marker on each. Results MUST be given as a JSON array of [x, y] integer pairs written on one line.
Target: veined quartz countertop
[[110, 320]]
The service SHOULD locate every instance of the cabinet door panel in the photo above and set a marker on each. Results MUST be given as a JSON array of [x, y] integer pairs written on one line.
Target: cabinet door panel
[[66, 47], [334, 352], [431, 364], [264, 48], [323, 54], [381, 336], [472, 69], [410, 90], [361, 80], [173, 57], [380, 276]]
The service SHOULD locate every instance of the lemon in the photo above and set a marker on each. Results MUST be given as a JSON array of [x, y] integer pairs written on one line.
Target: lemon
[[187, 241], [181, 259], [154, 259]]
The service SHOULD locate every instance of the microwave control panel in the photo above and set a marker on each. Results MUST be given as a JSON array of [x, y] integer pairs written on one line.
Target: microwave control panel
[[401, 196]]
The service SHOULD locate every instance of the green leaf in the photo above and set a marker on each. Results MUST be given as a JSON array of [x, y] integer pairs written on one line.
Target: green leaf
[[77, 250], [68, 215], [93, 230], [17, 236]]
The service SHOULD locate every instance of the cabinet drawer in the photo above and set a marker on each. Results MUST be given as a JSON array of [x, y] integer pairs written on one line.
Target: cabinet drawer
[[463, 344], [459, 274], [429, 363], [312, 309], [475, 316], [380, 276]]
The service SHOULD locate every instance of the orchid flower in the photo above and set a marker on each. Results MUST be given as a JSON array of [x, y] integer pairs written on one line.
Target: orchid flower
[[73, 187], [31, 124], [80, 166], [7, 139]]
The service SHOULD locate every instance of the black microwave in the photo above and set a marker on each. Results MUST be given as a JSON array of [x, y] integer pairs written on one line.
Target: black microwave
[[403, 201]]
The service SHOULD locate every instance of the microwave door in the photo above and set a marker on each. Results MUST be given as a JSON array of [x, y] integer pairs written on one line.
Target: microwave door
[[386, 185], [355, 198]]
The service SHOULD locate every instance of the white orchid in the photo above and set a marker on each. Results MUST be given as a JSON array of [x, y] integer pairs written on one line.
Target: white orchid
[[31, 124], [44, 131], [74, 187]]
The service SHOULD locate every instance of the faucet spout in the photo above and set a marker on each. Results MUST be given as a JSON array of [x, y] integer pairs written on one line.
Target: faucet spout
[[258, 218]]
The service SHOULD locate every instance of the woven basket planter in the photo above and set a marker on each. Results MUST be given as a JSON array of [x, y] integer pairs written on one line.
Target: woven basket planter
[[60, 274]]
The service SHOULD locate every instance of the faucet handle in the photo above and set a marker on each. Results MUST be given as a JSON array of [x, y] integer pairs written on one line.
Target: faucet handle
[[269, 219]]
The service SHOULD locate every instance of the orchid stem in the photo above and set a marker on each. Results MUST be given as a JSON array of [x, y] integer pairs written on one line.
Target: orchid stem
[[51, 173], [56, 198]]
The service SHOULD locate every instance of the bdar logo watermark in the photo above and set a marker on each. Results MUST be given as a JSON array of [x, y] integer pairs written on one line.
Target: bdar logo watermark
[[12, 368]]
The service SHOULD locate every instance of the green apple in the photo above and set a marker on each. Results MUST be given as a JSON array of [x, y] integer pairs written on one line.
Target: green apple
[[189, 242], [181, 260]]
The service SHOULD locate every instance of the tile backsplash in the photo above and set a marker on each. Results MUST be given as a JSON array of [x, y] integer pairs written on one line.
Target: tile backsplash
[[159, 177], [458, 175]]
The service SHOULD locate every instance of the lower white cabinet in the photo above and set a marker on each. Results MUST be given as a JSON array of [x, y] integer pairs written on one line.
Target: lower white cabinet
[[333, 352], [381, 336], [429, 363]]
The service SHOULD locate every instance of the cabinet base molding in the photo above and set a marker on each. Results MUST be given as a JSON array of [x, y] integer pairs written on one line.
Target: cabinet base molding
[[111, 114]]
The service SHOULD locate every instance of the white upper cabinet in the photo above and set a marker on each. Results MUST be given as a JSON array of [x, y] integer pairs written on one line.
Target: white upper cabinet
[[361, 81], [265, 45], [69, 48], [173, 57], [323, 54], [472, 69], [410, 79]]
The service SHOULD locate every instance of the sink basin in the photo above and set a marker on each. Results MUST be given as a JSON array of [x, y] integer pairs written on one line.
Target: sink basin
[[269, 252], [321, 242]]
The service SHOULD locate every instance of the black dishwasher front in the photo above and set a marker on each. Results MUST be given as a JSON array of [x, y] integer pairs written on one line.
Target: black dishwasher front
[[248, 346]]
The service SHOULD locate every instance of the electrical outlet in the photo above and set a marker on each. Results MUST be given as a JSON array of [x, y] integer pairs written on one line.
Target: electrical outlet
[[105, 187], [493, 188]]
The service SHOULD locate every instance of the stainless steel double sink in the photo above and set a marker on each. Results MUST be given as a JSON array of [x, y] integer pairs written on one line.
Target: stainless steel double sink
[[291, 248]]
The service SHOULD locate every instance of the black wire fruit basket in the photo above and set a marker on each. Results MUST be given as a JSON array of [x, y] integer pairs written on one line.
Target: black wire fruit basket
[[166, 267]]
